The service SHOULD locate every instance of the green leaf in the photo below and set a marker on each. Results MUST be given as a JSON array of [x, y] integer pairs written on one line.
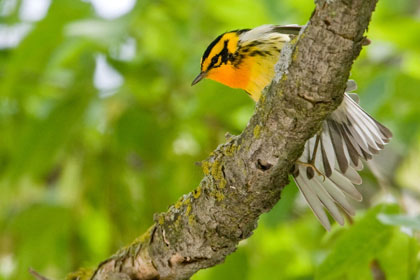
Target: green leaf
[[400, 220], [355, 249], [44, 232], [405, 265]]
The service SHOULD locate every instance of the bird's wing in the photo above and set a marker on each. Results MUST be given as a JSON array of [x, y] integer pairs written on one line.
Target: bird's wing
[[268, 31], [291, 29]]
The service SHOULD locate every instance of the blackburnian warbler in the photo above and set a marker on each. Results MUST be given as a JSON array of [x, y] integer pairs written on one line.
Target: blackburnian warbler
[[327, 169]]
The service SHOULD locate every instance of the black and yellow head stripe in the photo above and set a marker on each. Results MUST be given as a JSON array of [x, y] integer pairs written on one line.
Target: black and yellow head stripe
[[222, 46]]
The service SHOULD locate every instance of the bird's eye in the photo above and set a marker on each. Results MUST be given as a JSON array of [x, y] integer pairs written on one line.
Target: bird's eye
[[214, 60]]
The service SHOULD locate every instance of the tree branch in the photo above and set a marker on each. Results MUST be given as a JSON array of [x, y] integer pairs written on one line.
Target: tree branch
[[245, 176]]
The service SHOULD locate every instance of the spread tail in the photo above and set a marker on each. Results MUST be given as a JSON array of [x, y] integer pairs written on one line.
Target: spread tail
[[348, 135]]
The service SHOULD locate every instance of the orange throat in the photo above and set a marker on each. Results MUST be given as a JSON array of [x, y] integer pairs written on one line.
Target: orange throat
[[231, 76], [251, 76]]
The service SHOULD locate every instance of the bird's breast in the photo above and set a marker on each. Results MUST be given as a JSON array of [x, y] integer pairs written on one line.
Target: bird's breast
[[232, 76], [252, 74]]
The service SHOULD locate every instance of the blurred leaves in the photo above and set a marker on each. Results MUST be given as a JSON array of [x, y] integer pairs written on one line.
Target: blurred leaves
[[357, 247], [400, 220], [85, 162]]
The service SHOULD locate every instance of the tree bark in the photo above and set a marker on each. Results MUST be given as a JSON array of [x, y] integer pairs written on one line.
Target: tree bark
[[245, 176]]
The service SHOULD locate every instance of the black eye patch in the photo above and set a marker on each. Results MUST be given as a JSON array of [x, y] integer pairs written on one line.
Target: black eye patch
[[214, 63], [222, 57]]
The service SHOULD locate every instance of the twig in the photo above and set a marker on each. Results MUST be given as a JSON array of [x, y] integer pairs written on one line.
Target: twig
[[37, 275]]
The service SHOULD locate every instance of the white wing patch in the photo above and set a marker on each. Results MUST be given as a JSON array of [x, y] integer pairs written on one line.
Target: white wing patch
[[263, 33]]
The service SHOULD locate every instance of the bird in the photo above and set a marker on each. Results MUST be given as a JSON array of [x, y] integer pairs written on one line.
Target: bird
[[327, 170]]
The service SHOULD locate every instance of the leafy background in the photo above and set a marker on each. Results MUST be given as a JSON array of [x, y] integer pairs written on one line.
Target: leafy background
[[100, 129]]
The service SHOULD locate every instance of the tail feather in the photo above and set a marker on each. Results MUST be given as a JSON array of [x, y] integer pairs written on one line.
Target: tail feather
[[352, 150], [329, 159], [353, 176], [306, 188], [338, 196], [345, 185], [328, 201], [347, 136], [338, 146]]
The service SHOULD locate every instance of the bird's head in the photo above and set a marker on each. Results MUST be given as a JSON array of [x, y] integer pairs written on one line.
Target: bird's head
[[220, 60], [245, 58]]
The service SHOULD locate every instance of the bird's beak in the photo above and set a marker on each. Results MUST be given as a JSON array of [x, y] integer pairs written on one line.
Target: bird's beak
[[200, 76]]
